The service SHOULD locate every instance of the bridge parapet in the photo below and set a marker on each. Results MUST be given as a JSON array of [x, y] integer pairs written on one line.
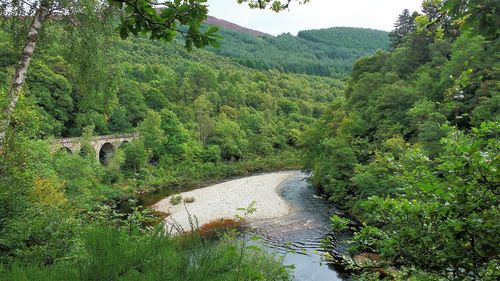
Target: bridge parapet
[[103, 137]]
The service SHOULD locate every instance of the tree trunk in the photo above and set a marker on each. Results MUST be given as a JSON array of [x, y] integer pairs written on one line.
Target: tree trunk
[[21, 69]]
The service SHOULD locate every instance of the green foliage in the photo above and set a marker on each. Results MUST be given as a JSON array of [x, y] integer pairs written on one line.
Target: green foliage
[[166, 22], [112, 254], [477, 15], [79, 173], [339, 224], [152, 134], [136, 155], [176, 199], [212, 154], [113, 173], [411, 150], [239, 114], [450, 203], [52, 91], [387, 97], [37, 219]]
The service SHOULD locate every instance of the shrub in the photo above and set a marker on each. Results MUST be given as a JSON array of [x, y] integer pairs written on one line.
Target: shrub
[[175, 199], [218, 226], [189, 200]]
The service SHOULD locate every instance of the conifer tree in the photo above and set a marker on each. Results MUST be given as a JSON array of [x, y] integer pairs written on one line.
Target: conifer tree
[[404, 25]]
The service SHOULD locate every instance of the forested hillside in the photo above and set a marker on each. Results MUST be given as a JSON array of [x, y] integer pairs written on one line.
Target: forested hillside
[[142, 75], [411, 149], [325, 52]]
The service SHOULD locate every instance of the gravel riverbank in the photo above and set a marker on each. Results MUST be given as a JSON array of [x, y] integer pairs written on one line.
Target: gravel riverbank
[[221, 201]]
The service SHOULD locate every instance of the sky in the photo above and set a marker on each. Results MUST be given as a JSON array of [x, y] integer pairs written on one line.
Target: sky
[[376, 14]]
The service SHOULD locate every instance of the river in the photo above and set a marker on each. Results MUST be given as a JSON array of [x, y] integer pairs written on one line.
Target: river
[[299, 235]]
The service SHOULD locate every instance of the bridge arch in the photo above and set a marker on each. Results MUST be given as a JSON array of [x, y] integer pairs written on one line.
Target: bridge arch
[[87, 150], [106, 152], [124, 144]]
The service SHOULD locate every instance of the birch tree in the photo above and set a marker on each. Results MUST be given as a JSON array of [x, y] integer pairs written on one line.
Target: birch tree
[[39, 12]]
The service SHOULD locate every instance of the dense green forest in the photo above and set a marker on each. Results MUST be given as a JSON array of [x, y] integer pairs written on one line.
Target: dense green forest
[[324, 52], [407, 145], [411, 149], [200, 117]]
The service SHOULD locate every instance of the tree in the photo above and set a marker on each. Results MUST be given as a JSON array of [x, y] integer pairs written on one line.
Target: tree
[[230, 138], [136, 155], [41, 14], [176, 135], [206, 126], [404, 25], [152, 134]]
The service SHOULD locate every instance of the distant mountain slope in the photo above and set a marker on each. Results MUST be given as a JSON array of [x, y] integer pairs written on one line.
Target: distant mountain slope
[[325, 52], [363, 39], [232, 26]]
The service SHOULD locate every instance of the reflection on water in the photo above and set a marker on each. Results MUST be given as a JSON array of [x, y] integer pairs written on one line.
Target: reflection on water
[[299, 235]]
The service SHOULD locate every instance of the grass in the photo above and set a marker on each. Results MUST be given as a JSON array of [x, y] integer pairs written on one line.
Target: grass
[[112, 254]]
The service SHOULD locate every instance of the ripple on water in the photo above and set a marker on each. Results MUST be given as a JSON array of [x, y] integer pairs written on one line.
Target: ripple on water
[[299, 235]]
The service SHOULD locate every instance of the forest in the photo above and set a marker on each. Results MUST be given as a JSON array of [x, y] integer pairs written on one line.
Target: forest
[[325, 52], [411, 149], [400, 130]]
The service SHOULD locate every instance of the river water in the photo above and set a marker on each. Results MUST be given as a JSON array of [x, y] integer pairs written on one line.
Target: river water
[[299, 235]]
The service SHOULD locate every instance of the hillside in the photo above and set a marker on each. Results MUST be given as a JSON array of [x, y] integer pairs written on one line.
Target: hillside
[[232, 26], [325, 52], [142, 75]]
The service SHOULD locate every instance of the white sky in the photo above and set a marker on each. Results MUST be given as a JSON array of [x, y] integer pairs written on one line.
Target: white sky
[[377, 14]]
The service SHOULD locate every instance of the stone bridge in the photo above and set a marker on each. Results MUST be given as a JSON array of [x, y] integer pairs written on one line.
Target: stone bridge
[[103, 146]]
